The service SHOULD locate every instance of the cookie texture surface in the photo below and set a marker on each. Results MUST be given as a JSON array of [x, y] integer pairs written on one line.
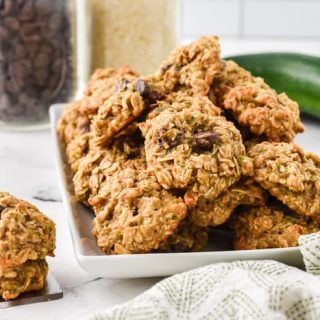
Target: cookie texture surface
[[139, 216], [75, 125], [258, 107], [269, 227], [217, 211], [101, 163], [187, 237], [290, 175], [26, 277], [102, 85], [25, 233], [193, 66], [178, 101], [193, 151]]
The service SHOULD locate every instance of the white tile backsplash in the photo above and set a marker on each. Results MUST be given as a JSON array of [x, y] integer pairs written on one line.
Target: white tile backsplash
[[281, 18], [251, 18], [210, 17]]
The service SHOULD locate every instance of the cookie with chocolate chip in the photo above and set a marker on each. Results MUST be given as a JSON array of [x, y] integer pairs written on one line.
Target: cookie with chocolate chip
[[122, 108], [193, 151]]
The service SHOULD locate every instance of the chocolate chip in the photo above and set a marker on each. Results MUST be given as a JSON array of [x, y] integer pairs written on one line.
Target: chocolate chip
[[1, 209], [205, 140], [7, 6], [165, 139], [166, 67], [122, 85], [84, 126], [143, 88], [146, 92], [11, 23], [27, 11]]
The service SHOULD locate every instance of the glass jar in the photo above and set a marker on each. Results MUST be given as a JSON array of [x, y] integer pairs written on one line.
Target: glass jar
[[37, 64], [139, 33]]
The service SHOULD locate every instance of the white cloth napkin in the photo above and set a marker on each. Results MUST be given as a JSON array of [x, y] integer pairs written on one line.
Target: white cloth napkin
[[236, 290]]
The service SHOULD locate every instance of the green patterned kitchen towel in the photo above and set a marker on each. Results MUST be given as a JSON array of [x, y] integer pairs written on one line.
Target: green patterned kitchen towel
[[310, 249], [237, 290]]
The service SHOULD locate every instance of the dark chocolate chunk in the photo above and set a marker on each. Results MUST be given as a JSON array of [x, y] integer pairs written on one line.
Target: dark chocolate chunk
[[143, 88], [27, 11], [146, 91], [1, 209], [122, 85], [172, 142], [84, 126], [205, 140], [166, 67]]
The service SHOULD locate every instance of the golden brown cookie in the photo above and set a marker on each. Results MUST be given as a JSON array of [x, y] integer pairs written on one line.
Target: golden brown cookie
[[217, 211], [102, 85], [26, 277], [72, 123], [193, 151], [102, 162], [269, 227], [193, 66], [254, 105], [139, 215], [188, 237], [180, 100], [25, 233], [74, 127], [290, 175]]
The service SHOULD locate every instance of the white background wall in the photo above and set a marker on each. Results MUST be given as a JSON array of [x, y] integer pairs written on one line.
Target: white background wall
[[252, 18], [273, 25]]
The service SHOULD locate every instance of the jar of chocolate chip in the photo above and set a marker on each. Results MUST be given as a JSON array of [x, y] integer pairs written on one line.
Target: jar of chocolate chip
[[37, 60]]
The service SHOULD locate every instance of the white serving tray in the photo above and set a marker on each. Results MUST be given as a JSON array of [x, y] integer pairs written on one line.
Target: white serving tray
[[144, 265]]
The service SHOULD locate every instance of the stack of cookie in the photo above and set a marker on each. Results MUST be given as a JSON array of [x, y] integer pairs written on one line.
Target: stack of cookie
[[161, 158], [26, 238]]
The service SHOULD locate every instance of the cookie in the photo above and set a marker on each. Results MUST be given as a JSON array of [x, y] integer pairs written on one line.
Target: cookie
[[77, 149], [231, 75], [254, 105], [102, 85], [26, 277], [103, 162], [188, 237], [25, 233], [193, 66], [119, 111], [217, 211], [139, 215], [193, 151], [180, 100], [290, 175], [72, 124], [74, 127], [269, 227]]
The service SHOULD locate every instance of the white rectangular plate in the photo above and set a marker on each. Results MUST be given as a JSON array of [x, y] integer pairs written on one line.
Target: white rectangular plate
[[144, 265]]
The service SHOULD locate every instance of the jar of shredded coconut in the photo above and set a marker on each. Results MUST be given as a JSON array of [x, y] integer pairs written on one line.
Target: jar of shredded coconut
[[139, 33]]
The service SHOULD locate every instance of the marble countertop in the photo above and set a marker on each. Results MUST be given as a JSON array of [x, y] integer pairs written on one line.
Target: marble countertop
[[27, 170]]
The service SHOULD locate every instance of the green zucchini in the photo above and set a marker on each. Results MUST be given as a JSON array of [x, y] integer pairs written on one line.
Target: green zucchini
[[298, 75]]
